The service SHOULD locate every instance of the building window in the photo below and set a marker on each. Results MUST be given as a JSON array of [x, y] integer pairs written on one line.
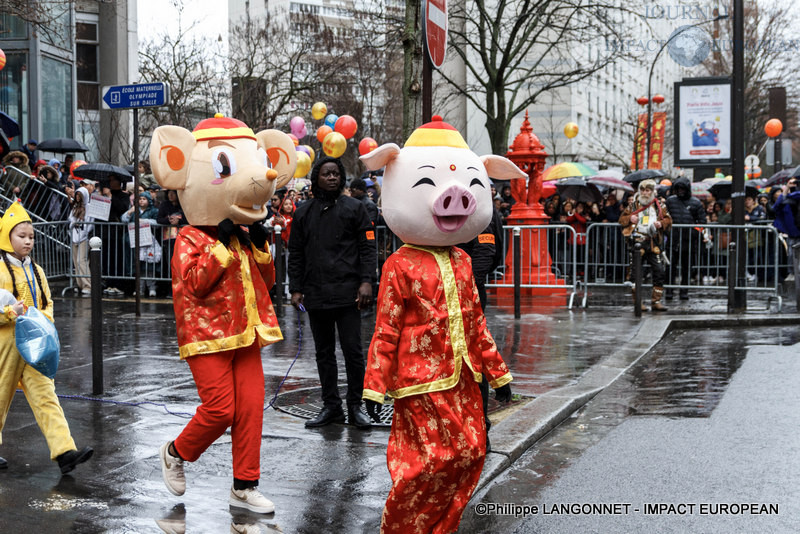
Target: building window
[[86, 65], [56, 104], [14, 89], [57, 29], [12, 27]]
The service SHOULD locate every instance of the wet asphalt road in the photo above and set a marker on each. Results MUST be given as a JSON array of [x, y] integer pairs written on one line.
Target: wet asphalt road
[[329, 480], [708, 418]]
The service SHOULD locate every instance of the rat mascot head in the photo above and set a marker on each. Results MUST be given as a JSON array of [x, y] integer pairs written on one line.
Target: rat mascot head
[[222, 170], [436, 191]]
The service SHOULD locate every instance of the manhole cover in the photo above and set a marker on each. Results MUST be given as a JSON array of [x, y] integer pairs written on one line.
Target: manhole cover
[[307, 403]]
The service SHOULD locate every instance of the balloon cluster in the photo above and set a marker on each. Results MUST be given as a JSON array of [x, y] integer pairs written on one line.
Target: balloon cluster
[[332, 135]]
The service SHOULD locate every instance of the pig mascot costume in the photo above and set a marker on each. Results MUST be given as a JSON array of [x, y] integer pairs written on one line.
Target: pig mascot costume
[[221, 275], [431, 346]]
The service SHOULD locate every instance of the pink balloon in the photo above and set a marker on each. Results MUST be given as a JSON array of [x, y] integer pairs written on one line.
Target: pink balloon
[[297, 123]]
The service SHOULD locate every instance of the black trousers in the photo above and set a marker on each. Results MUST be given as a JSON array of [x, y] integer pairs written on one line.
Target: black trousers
[[324, 325]]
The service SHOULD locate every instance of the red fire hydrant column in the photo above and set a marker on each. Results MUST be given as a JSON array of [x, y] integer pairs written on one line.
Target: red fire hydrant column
[[528, 153]]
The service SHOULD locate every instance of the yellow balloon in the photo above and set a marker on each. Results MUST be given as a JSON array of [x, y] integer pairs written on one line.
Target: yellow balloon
[[319, 110], [571, 130], [311, 153], [334, 144], [303, 165]]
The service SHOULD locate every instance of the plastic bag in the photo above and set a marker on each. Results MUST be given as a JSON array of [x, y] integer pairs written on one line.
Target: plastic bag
[[37, 342]]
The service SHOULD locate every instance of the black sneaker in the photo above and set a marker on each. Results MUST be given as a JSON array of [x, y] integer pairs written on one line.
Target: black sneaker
[[70, 459], [3, 463]]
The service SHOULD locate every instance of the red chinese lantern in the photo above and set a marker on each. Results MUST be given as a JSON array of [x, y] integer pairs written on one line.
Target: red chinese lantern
[[773, 128], [642, 100], [658, 99]]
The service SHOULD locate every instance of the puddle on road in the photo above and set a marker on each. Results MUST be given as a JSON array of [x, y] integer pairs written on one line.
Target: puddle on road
[[684, 375]]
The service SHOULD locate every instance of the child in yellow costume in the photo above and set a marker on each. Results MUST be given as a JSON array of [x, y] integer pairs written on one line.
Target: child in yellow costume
[[26, 281]]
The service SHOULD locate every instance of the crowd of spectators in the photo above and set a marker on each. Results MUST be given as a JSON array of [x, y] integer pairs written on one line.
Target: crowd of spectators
[[48, 190]]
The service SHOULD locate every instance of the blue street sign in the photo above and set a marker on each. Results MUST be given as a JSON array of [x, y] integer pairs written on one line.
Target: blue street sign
[[140, 95]]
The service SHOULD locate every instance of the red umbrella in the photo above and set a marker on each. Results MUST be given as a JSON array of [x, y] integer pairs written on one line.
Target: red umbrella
[[548, 189]]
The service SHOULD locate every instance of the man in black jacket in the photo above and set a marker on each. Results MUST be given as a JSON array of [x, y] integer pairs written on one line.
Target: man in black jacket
[[332, 265], [358, 190], [684, 242]]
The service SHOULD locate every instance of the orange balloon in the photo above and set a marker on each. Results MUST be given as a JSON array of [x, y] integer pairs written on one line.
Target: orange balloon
[[773, 128], [322, 131], [2, 59], [294, 139]]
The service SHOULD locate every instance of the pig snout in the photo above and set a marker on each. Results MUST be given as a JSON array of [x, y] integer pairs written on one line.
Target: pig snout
[[452, 207]]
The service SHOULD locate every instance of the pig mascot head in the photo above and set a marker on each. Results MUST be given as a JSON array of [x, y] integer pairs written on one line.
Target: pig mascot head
[[436, 191], [222, 170]]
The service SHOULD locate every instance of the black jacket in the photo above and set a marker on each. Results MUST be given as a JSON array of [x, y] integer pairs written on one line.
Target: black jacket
[[683, 207], [372, 209], [486, 249], [331, 252]]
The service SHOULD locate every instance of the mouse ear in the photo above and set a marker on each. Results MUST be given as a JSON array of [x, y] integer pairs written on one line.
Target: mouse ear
[[281, 154], [170, 148]]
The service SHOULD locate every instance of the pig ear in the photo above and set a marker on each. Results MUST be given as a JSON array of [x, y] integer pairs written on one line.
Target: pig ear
[[170, 149], [380, 156], [500, 168], [281, 153]]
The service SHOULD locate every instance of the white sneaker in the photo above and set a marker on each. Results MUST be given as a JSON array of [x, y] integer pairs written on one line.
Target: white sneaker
[[86, 292], [172, 526], [172, 471], [152, 293], [251, 499]]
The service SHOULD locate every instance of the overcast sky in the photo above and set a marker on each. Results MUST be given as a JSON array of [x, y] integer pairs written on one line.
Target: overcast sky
[[157, 16]]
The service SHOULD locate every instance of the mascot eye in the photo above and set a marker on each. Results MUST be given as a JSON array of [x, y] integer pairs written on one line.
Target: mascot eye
[[424, 181], [263, 159], [476, 181], [224, 163]]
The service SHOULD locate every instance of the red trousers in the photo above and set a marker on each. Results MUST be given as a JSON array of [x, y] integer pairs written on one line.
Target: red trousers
[[435, 456], [231, 389]]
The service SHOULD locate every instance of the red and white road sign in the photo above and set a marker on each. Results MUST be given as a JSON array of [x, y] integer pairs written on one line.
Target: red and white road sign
[[436, 30]]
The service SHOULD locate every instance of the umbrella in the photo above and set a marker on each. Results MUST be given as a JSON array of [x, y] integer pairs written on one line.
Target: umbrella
[[611, 174], [578, 190], [610, 182], [644, 174], [701, 190], [714, 180], [567, 170], [101, 172], [723, 189], [796, 173], [548, 189], [62, 145], [9, 126], [781, 177]]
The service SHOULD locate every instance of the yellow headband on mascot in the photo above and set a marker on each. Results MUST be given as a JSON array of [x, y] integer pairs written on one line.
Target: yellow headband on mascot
[[436, 133], [14, 215]]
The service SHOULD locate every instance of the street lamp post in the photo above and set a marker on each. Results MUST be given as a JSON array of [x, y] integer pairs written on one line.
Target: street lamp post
[[650, 77]]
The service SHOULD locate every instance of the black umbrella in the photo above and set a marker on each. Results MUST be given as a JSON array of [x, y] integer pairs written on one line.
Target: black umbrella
[[796, 173], [644, 174], [723, 189], [9, 126], [781, 177], [62, 145], [578, 190], [101, 172]]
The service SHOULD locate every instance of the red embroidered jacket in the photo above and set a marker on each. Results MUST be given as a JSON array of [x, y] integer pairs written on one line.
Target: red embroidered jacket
[[429, 324], [221, 303]]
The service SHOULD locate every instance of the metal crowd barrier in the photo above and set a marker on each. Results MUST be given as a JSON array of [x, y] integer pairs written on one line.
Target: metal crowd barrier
[[43, 203], [698, 257]]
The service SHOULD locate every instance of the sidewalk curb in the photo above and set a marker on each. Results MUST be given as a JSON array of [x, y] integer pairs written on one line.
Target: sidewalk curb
[[513, 436]]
